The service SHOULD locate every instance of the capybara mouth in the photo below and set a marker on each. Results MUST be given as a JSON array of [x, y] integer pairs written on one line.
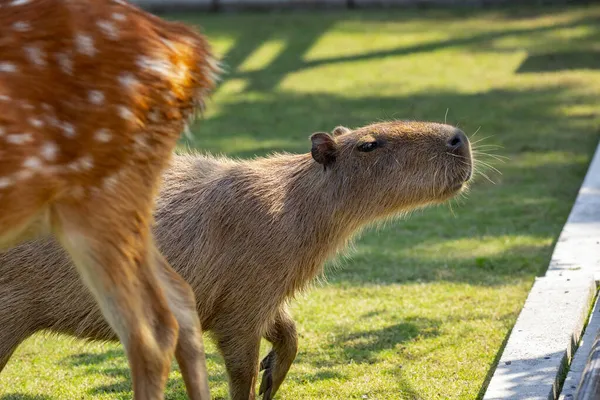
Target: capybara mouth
[[455, 188], [460, 183]]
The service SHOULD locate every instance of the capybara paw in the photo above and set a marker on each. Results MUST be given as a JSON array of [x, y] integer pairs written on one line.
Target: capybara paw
[[267, 362], [266, 385]]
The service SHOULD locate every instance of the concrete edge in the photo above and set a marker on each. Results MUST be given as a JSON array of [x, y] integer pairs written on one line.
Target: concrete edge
[[577, 367], [547, 332]]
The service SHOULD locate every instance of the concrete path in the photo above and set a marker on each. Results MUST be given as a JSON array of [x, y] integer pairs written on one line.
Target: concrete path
[[545, 336]]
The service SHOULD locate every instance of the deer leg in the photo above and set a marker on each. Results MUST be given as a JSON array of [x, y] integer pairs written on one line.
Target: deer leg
[[111, 255], [241, 360], [282, 334], [190, 347]]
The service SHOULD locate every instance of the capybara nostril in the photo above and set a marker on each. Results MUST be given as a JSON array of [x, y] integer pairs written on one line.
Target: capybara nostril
[[458, 140]]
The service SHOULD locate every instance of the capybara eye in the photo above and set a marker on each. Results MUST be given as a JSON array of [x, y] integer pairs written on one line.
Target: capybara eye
[[368, 146]]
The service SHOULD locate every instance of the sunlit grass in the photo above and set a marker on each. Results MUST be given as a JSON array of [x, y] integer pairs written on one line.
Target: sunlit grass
[[422, 307]]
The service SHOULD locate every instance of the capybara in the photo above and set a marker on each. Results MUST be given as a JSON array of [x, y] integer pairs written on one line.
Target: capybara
[[248, 235]]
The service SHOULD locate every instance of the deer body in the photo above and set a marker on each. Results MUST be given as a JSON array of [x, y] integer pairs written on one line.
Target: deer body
[[93, 97]]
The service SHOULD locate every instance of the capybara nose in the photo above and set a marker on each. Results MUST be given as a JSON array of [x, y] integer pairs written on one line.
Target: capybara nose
[[457, 141]]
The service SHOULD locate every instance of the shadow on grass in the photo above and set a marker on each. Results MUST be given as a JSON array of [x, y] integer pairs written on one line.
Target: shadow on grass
[[250, 32], [560, 61], [103, 364], [364, 346], [358, 347]]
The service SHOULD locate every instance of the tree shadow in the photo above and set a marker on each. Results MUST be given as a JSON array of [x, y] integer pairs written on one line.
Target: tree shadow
[[364, 346], [103, 364], [560, 61], [250, 36], [522, 377]]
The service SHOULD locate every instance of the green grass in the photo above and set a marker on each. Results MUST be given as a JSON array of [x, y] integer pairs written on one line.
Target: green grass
[[422, 308]]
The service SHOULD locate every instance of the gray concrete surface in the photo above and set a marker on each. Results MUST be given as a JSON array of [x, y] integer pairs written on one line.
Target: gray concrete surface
[[544, 339], [581, 355]]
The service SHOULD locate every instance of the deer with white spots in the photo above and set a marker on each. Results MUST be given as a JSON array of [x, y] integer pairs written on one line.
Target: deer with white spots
[[93, 97]]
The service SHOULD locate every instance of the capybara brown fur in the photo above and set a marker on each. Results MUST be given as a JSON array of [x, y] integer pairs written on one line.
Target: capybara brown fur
[[249, 234]]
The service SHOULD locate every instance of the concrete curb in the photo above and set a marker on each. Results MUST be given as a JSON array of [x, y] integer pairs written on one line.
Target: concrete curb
[[581, 355], [545, 336]]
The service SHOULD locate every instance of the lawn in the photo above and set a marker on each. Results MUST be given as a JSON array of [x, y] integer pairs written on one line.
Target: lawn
[[423, 306]]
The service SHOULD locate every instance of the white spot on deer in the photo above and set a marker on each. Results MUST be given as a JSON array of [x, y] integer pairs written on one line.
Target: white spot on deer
[[36, 122], [109, 29], [21, 26], [19, 2], [7, 67], [32, 163], [5, 182], [4, 97], [86, 162], [110, 182], [19, 138], [119, 17], [126, 113], [46, 107], [162, 67], [26, 105], [65, 62], [53, 121], [85, 44], [68, 129], [169, 44], [74, 166], [103, 135], [35, 55], [96, 97], [127, 80], [154, 116], [169, 97], [23, 174], [49, 151], [141, 142]]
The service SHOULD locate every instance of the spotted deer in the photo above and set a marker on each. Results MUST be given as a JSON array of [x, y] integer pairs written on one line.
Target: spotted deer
[[93, 97]]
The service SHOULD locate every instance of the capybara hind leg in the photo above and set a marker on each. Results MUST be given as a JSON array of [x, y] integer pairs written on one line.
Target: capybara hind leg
[[190, 347], [241, 360], [115, 264], [282, 334]]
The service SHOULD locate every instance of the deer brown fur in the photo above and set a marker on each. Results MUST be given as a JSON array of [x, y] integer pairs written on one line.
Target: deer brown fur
[[248, 235], [93, 97]]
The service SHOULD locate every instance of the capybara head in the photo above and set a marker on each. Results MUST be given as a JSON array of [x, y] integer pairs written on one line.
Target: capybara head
[[401, 164]]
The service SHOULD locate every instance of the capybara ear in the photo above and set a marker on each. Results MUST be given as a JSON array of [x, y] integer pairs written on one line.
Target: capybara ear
[[340, 130], [324, 148]]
